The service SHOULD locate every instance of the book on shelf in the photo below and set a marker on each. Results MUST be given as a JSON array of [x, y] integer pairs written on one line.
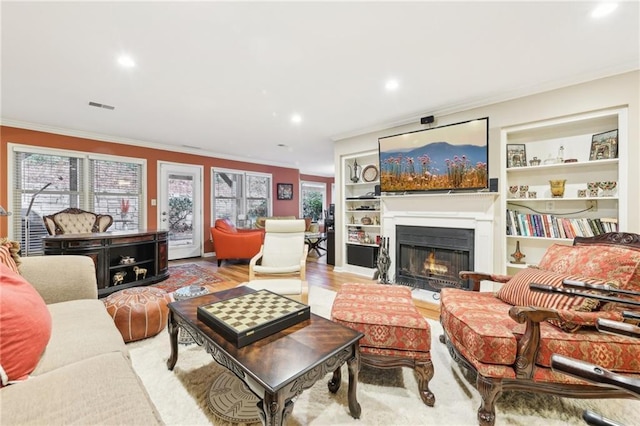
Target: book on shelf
[[610, 224], [550, 226]]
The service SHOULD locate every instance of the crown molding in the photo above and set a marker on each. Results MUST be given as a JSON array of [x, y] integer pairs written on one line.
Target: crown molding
[[136, 142]]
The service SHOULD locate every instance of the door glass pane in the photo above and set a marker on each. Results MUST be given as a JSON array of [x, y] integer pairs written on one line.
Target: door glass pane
[[181, 193]]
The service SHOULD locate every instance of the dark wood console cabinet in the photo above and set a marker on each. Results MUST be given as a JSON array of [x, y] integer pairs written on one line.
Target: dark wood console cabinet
[[147, 249]]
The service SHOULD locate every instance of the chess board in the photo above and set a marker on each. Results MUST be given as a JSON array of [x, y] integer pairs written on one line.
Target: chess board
[[245, 319]]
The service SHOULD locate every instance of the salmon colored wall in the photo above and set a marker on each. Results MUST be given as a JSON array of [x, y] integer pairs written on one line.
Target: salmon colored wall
[[50, 140]]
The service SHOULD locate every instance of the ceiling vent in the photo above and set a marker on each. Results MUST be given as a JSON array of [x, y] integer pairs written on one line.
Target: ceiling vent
[[97, 105]]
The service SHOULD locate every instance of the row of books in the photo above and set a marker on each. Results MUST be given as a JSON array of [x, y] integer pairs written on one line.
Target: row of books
[[550, 226]]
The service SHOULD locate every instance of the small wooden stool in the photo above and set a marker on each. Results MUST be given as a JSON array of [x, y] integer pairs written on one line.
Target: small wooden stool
[[395, 334], [138, 312]]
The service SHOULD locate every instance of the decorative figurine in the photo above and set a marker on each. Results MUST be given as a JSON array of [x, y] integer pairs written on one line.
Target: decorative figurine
[[118, 277], [518, 255], [140, 271]]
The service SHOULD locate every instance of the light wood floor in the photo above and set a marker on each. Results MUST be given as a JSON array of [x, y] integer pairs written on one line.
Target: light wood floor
[[318, 274]]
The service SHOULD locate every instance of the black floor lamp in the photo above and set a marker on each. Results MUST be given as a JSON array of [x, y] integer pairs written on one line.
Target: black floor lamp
[[26, 220]]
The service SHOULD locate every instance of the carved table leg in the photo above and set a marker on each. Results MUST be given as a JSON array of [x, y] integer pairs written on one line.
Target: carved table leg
[[172, 328], [489, 390], [424, 371], [274, 411], [354, 368], [334, 382]]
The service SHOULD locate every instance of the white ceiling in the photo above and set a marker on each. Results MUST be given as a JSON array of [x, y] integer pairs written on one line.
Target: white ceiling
[[226, 77]]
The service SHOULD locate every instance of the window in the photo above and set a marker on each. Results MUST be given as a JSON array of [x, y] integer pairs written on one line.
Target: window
[[313, 200], [241, 196], [48, 181]]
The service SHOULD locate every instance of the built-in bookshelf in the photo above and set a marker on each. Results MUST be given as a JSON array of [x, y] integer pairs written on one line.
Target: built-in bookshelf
[[561, 149], [362, 213]]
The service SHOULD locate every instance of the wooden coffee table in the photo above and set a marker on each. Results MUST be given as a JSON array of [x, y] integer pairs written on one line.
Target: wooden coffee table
[[278, 367]]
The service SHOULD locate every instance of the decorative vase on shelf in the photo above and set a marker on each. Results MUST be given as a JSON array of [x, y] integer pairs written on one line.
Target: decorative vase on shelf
[[557, 187], [518, 255]]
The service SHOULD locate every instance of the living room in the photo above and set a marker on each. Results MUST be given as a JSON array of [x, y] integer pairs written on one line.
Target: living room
[[582, 92]]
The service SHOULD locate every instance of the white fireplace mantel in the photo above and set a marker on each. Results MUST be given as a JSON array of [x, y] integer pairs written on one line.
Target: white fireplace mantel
[[465, 211]]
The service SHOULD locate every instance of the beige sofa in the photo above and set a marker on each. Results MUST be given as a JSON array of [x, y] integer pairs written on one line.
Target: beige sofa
[[85, 375]]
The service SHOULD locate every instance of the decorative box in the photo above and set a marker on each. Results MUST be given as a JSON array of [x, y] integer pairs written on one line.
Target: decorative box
[[244, 319]]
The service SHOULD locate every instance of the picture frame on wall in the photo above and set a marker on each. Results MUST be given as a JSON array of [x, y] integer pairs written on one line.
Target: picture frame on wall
[[285, 191], [516, 155], [604, 145]]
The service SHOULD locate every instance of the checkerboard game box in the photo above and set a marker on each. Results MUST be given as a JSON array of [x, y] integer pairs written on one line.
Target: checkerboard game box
[[245, 319]]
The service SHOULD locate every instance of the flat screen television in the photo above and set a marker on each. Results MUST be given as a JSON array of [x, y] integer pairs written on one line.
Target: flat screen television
[[446, 158]]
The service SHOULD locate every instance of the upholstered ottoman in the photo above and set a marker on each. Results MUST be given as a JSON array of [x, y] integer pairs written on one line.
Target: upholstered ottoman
[[138, 312], [395, 334]]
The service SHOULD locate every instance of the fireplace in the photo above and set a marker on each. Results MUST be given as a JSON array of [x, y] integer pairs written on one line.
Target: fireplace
[[430, 258]]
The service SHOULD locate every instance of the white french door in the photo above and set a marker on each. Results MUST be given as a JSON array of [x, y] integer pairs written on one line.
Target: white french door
[[180, 208]]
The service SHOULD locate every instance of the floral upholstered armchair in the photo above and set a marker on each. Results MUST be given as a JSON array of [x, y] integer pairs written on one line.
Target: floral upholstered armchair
[[508, 338], [76, 221]]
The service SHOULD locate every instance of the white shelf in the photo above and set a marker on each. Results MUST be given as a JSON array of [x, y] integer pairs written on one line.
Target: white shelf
[[543, 139], [362, 183], [533, 200], [523, 237], [543, 168], [354, 243], [355, 195]]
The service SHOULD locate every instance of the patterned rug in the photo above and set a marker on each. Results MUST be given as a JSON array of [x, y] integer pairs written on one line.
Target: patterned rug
[[187, 274]]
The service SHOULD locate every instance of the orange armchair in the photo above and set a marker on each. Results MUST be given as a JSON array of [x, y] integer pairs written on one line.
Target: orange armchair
[[232, 243]]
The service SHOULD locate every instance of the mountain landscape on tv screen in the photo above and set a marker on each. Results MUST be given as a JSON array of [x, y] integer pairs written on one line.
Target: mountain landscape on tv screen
[[439, 152]]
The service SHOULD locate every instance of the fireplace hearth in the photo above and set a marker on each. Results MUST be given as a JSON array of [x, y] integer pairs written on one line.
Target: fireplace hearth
[[431, 258]]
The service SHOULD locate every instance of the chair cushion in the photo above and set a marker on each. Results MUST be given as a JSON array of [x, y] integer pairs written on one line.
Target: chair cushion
[[385, 314], [25, 326], [616, 265], [516, 292], [225, 225], [613, 352], [278, 286], [480, 322]]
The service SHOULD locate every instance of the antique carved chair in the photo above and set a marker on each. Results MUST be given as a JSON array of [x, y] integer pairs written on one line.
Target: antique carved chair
[[508, 338], [233, 243], [76, 221]]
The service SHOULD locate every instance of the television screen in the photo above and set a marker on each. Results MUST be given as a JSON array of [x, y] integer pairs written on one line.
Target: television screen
[[452, 157]]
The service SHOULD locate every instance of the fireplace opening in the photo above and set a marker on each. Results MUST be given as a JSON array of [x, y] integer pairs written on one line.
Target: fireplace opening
[[431, 258]]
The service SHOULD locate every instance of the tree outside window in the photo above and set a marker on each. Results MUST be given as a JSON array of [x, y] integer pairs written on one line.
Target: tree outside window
[[312, 201]]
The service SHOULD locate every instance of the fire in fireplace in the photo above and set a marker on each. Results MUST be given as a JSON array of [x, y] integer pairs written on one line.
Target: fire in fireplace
[[430, 258]]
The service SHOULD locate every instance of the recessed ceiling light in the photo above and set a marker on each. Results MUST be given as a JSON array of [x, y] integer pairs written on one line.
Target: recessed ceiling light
[[603, 9], [296, 118], [282, 145], [126, 61], [392, 84]]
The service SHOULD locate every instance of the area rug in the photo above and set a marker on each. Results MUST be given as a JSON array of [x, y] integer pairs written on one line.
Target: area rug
[[387, 397], [187, 274]]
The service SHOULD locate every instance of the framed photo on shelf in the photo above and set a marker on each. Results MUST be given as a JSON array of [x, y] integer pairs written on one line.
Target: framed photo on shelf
[[285, 191], [604, 145], [516, 155]]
